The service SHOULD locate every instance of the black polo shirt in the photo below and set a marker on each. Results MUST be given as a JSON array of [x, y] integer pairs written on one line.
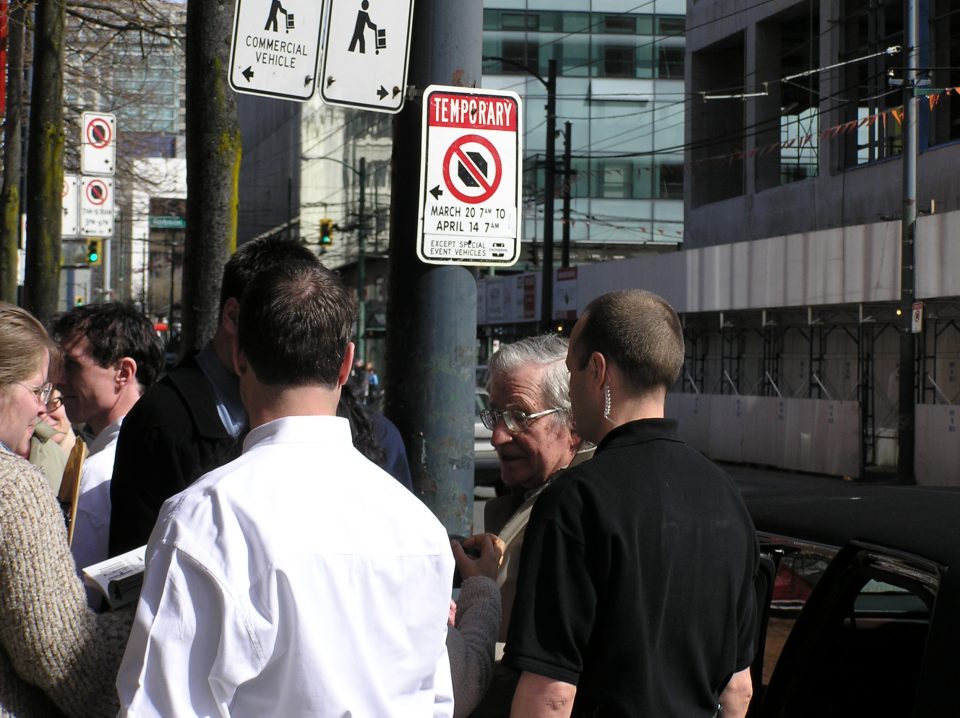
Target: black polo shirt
[[636, 579]]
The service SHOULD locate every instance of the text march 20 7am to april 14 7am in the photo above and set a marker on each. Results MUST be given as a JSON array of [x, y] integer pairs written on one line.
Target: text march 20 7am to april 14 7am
[[470, 192]]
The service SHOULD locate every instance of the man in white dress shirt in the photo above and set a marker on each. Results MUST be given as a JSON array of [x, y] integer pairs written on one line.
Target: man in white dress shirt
[[299, 579], [111, 354]]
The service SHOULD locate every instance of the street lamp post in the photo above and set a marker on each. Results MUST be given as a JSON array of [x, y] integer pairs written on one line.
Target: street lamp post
[[361, 174], [550, 171]]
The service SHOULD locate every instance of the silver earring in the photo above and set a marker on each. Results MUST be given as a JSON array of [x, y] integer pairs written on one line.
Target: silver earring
[[607, 402]]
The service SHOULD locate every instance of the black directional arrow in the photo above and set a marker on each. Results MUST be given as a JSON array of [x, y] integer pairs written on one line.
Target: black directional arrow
[[248, 73], [382, 92], [436, 192]]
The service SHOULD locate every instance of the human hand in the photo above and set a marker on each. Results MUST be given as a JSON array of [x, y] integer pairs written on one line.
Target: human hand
[[487, 563]]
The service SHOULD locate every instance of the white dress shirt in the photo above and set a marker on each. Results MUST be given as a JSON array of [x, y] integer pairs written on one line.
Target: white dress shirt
[[92, 524], [298, 580]]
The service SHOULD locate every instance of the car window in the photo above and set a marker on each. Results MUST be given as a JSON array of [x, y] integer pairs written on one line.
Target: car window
[[481, 402], [845, 631], [798, 571]]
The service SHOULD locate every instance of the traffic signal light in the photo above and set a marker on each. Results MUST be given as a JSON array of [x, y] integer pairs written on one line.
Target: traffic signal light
[[94, 252], [326, 232]]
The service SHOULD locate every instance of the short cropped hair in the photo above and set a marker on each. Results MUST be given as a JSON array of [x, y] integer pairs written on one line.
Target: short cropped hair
[[23, 341], [548, 351], [295, 322], [257, 256], [113, 331], [638, 331]]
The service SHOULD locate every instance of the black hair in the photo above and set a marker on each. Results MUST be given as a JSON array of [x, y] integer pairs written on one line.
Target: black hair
[[113, 331]]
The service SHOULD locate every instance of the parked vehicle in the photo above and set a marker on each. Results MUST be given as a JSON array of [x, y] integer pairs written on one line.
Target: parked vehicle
[[486, 465], [860, 596]]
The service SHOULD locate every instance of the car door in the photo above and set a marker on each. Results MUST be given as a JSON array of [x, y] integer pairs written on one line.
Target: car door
[[845, 631]]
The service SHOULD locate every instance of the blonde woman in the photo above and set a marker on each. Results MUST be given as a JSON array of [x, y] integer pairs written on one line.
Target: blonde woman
[[56, 656]]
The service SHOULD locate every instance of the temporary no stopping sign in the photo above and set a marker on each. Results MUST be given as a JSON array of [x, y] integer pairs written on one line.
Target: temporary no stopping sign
[[470, 177]]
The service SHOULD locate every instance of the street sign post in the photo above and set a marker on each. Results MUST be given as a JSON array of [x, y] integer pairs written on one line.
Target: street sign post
[[275, 48], [96, 206], [470, 187], [365, 54], [98, 143], [70, 224]]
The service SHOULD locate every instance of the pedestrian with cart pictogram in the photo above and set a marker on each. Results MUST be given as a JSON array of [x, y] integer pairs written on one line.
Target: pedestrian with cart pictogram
[[275, 8], [360, 29]]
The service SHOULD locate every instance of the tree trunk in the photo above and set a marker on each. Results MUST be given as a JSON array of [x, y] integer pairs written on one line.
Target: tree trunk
[[213, 167], [45, 162], [12, 154]]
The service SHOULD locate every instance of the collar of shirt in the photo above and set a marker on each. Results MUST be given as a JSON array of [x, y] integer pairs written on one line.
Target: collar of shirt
[[109, 434], [4, 449], [226, 390], [299, 430], [639, 432]]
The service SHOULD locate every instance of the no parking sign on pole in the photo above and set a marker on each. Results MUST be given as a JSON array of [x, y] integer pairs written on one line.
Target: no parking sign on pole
[[470, 187], [98, 143]]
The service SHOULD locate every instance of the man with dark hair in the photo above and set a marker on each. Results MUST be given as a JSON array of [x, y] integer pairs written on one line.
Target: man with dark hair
[[299, 579], [192, 420], [636, 593], [111, 355]]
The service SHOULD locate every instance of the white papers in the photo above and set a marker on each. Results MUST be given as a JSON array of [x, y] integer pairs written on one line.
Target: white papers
[[119, 578]]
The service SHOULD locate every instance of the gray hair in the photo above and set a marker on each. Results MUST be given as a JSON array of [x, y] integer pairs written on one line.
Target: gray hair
[[549, 351]]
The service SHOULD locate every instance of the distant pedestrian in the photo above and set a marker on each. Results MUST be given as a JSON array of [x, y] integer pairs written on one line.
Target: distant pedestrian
[[636, 587], [374, 390]]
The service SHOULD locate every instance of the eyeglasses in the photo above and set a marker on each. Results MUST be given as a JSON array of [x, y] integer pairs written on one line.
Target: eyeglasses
[[54, 402], [41, 392], [516, 420]]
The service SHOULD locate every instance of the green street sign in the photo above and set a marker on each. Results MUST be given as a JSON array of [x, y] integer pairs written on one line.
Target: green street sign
[[167, 222]]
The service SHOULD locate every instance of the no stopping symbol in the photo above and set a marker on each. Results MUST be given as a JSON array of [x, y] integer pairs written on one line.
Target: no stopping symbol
[[99, 133], [472, 169], [97, 192]]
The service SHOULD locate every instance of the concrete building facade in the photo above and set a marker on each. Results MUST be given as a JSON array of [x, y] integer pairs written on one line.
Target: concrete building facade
[[791, 286]]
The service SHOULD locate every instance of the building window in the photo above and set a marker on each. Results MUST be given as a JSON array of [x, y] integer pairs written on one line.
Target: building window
[[619, 61], [616, 180], [945, 31], [671, 26], [620, 24], [519, 52], [868, 29], [519, 21], [671, 181], [670, 62]]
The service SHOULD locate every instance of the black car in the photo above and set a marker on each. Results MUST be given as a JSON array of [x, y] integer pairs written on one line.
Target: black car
[[860, 596]]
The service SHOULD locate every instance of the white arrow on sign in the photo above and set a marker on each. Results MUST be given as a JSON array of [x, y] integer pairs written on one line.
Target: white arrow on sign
[[275, 48], [365, 54]]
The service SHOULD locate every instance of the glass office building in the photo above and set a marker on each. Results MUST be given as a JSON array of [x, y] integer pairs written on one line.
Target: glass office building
[[620, 86]]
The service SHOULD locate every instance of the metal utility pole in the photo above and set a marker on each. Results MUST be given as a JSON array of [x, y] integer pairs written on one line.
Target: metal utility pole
[[907, 404], [549, 182], [549, 190], [361, 263], [432, 310], [567, 174]]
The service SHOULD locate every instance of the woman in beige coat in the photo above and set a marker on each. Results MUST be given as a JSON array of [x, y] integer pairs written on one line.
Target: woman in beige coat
[[56, 656]]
